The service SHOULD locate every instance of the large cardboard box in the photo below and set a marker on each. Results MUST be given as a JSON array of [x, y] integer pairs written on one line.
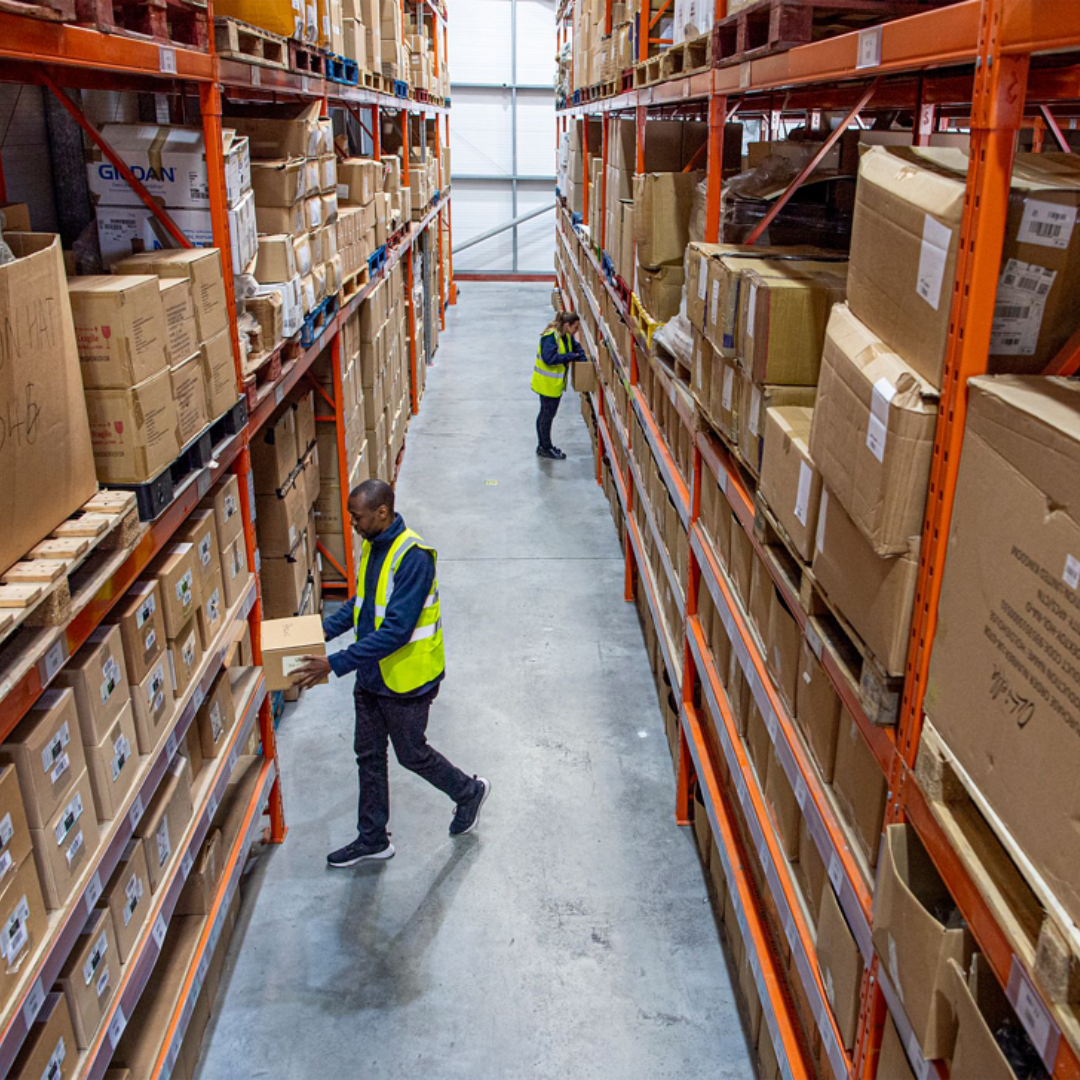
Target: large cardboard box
[[755, 401], [162, 826], [174, 570], [169, 160], [185, 655], [120, 328], [50, 1042], [23, 925], [135, 432], [790, 483], [874, 594], [841, 966], [211, 613], [47, 469], [127, 898], [114, 764], [873, 433], [280, 520], [97, 674], [219, 374], [189, 391], [224, 500], [278, 182], [817, 710], [216, 717], [234, 570], [859, 786], [660, 290], [200, 530], [178, 310], [913, 940], [783, 641], [662, 205], [153, 704], [284, 642], [274, 454], [14, 831], [142, 628], [90, 976], [67, 843], [1004, 683]]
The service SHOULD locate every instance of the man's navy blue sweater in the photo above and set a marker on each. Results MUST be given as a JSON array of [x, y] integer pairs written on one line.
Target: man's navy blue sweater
[[412, 583]]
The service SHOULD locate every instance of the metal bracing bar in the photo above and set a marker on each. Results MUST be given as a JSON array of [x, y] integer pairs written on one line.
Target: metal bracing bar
[[512, 223], [1055, 129], [656, 18], [1067, 361]]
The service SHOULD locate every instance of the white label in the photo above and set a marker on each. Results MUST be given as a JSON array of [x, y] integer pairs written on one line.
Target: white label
[[51, 754], [6, 863], [164, 847], [279, 394], [36, 998], [932, 258], [703, 278], [103, 982], [714, 304], [1019, 308], [869, 52], [802, 496], [54, 660], [7, 830], [289, 664], [729, 380], [233, 759], [121, 756], [755, 409], [159, 931], [170, 745], [216, 725], [204, 550], [186, 864], [819, 540], [877, 427], [60, 768], [72, 813], [202, 484], [836, 872], [151, 640], [231, 506], [183, 589], [213, 607], [93, 961], [111, 679], [801, 792], [1032, 1012], [166, 60], [116, 1027], [187, 652], [1047, 224], [76, 847], [136, 812], [198, 698], [93, 892], [212, 806], [134, 893], [146, 609], [54, 1069], [751, 309], [1072, 571]]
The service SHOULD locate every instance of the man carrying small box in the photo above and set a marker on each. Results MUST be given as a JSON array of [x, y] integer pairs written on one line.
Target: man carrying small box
[[399, 663]]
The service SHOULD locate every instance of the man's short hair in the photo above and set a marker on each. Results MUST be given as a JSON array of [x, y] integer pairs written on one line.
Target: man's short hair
[[374, 493]]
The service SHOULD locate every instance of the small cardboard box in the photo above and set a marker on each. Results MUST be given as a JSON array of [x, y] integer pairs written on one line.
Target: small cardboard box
[[216, 717], [304, 407], [127, 898], [23, 925], [810, 871], [785, 809], [119, 328], [193, 751], [142, 628], [163, 825], [841, 966], [174, 570], [114, 764], [135, 432], [70, 839], [817, 711], [284, 641], [90, 976], [14, 831], [783, 642], [181, 335], [97, 674], [281, 520], [49, 1043], [859, 786], [185, 655], [274, 454], [277, 259], [278, 183], [283, 582], [197, 897], [219, 374], [583, 377], [790, 483], [212, 612], [754, 403], [224, 500], [200, 529], [47, 753], [234, 571], [189, 389], [152, 704]]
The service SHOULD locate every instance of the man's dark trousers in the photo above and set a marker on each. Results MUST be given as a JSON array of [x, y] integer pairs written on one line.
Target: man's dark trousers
[[403, 720]]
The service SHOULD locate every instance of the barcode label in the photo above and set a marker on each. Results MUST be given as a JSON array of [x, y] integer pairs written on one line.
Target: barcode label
[[1019, 308], [256, 75], [116, 1026], [167, 60], [136, 812], [159, 931], [34, 1000], [54, 660], [1047, 224], [93, 892]]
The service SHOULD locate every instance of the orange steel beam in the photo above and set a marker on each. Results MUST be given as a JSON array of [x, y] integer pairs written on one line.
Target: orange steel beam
[[586, 170], [603, 172], [656, 18], [698, 154], [336, 565], [714, 173], [1055, 129], [1067, 361]]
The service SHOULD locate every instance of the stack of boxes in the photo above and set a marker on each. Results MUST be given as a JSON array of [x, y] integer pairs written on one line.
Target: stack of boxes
[[394, 59], [362, 34], [362, 212]]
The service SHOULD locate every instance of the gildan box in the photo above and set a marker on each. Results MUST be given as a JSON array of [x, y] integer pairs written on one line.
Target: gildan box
[[114, 764], [841, 966], [200, 530], [1004, 683], [169, 160], [67, 842], [274, 454], [219, 374], [152, 704], [216, 717], [280, 520], [98, 677], [14, 831], [873, 433], [163, 825], [912, 940], [278, 182], [212, 611], [47, 753], [127, 898], [234, 570], [277, 261], [874, 594], [224, 500], [859, 786], [119, 328], [189, 391], [90, 976], [790, 483], [135, 432], [662, 205], [185, 653], [49, 1044], [981, 1010], [142, 628], [174, 571], [284, 642], [817, 711], [181, 335]]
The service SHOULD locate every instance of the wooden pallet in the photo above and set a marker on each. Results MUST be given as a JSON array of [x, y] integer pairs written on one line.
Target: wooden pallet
[[1040, 931], [647, 72], [51, 10], [261, 373], [306, 60], [236, 40], [686, 58], [170, 22], [354, 283], [771, 26], [37, 590]]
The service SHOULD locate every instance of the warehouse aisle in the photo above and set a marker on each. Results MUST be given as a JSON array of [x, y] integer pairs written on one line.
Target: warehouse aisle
[[571, 936]]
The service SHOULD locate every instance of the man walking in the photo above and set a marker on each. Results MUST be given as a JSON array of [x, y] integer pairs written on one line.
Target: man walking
[[398, 659]]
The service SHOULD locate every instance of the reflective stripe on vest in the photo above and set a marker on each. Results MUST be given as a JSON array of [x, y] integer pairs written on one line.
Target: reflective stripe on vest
[[422, 659], [550, 379]]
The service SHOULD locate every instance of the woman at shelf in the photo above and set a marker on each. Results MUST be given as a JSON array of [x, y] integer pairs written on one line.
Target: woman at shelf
[[558, 348]]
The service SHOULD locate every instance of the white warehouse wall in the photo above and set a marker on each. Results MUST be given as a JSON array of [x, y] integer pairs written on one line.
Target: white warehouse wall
[[502, 71]]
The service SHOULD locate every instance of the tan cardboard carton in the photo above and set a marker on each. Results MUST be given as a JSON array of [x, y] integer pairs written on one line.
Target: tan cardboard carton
[[181, 334], [277, 258], [841, 966], [224, 500], [67, 843], [234, 571], [211, 612], [304, 408], [284, 580], [859, 786], [50, 1044], [874, 425], [274, 454], [127, 898], [275, 220], [98, 676], [284, 642], [1004, 683], [141, 619], [662, 205], [660, 290], [982, 1009], [280, 182], [185, 655], [785, 809], [817, 711], [219, 373], [163, 825], [197, 897], [114, 765], [23, 924], [810, 871], [754, 403], [90, 976], [200, 530], [216, 717], [790, 483], [189, 391], [174, 571], [280, 520], [14, 831], [119, 328], [153, 703], [278, 133], [783, 643]]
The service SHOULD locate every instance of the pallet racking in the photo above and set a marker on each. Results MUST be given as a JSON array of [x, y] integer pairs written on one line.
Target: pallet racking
[[58, 56], [995, 67]]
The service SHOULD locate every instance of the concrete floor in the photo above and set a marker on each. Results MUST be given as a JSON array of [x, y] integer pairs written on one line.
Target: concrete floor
[[571, 936]]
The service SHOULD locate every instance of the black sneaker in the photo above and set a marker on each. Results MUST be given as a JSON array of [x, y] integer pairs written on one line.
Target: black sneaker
[[468, 812], [553, 454], [358, 852]]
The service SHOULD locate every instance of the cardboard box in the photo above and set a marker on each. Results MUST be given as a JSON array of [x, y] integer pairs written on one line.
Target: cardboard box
[[45, 479], [912, 940], [874, 438], [189, 391], [224, 500], [276, 220], [127, 898], [114, 764], [277, 260], [219, 373], [234, 571], [192, 750], [810, 871], [185, 655], [283, 583], [174, 570], [14, 831], [200, 530], [784, 642], [278, 182], [178, 310], [841, 966], [142, 628], [135, 432], [275, 132], [49, 1043], [981, 1011], [67, 843], [119, 329], [16, 217], [23, 924], [754, 402], [90, 976], [660, 290], [1004, 688], [197, 897], [212, 610], [163, 825], [284, 642], [859, 786], [892, 1060], [785, 809], [98, 677], [790, 483], [280, 520], [304, 408], [216, 717], [817, 711], [274, 454], [47, 753], [662, 205], [237, 153], [153, 704], [169, 160], [874, 594]]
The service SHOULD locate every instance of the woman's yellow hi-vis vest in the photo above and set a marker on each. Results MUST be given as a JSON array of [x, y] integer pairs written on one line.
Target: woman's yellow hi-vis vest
[[550, 379], [422, 659]]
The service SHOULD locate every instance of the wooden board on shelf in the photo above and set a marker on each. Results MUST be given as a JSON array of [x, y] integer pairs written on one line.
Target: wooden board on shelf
[[686, 57], [170, 22], [236, 40], [50, 10]]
